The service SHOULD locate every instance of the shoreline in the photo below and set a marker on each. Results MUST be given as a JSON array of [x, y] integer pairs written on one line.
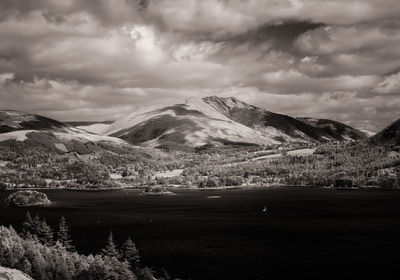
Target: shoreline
[[166, 188], [174, 188]]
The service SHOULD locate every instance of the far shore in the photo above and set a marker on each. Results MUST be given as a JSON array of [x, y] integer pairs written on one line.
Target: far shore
[[171, 188], [178, 188]]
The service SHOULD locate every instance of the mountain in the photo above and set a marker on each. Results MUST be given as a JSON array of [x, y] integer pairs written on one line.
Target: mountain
[[220, 121], [191, 124], [389, 135], [34, 130]]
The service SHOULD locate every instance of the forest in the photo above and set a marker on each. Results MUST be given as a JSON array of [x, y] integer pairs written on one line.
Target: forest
[[335, 164], [44, 254]]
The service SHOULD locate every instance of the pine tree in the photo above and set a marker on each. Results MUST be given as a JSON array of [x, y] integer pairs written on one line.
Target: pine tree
[[146, 273], [25, 266], [35, 225], [131, 253], [27, 224], [63, 235], [45, 233], [110, 250]]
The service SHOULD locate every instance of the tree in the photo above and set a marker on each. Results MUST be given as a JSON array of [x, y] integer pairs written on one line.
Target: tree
[[146, 273], [131, 253], [63, 235], [35, 225], [110, 250], [27, 224], [45, 233]]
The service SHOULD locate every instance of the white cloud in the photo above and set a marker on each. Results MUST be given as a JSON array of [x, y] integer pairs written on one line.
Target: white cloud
[[342, 39], [361, 49], [5, 77], [293, 81], [102, 60], [195, 50], [389, 85], [148, 45]]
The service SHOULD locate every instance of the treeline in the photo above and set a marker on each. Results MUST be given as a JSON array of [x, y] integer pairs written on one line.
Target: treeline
[[45, 255], [338, 164], [354, 164], [34, 166]]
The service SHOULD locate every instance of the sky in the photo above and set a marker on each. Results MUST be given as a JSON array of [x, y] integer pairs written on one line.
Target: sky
[[76, 60]]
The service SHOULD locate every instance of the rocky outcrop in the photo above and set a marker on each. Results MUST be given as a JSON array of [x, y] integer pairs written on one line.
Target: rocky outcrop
[[13, 274]]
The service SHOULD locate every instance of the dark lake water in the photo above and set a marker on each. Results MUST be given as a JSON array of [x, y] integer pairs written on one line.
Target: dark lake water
[[305, 233]]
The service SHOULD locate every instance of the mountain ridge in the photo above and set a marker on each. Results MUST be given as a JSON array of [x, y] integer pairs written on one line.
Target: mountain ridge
[[212, 120], [219, 120]]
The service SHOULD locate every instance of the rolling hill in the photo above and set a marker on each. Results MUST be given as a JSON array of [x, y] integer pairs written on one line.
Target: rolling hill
[[31, 130]]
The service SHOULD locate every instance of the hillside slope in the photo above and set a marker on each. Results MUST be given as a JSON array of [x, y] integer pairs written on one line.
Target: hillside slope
[[285, 128], [389, 135], [335, 130]]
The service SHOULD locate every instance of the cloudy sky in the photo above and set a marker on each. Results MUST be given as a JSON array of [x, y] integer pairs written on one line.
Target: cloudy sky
[[99, 60]]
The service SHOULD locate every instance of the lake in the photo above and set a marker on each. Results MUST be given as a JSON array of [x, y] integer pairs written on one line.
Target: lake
[[224, 234]]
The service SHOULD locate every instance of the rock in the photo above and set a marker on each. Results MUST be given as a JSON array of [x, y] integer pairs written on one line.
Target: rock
[[27, 198], [13, 274]]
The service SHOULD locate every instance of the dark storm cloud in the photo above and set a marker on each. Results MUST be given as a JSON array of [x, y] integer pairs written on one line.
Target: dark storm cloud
[[94, 59], [281, 34]]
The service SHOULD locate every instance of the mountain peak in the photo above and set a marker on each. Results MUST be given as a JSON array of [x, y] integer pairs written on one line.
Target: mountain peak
[[225, 105], [226, 101]]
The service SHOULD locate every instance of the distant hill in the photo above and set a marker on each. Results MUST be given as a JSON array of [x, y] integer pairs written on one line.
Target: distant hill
[[389, 135], [220, 121], [14, 120], [34, 130]]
